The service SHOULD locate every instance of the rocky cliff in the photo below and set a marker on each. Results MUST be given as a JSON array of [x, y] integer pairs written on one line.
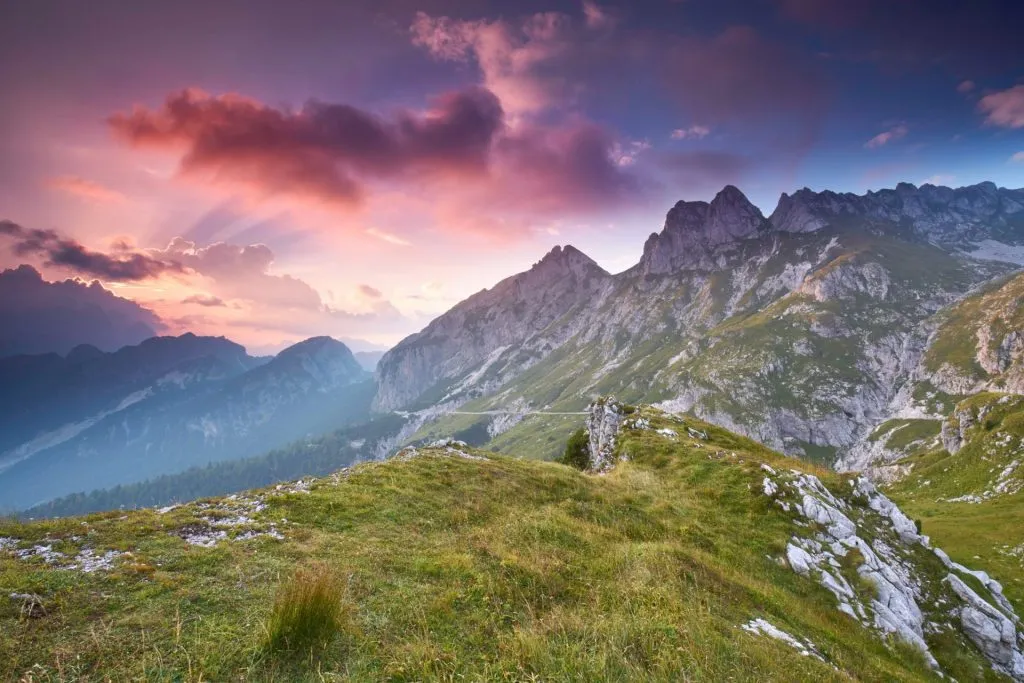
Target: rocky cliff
[[493, 335]]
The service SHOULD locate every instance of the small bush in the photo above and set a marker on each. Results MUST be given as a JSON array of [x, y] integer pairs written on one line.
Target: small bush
[[577, 451], [308, 611]]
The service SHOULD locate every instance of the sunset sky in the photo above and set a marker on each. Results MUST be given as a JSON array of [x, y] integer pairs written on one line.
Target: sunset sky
[[271, 171]]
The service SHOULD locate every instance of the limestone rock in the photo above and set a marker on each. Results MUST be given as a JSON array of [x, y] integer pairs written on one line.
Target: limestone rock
[[603, 421]]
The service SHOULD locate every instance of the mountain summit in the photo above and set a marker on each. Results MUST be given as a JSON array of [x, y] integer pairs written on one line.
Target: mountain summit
[[693, 229]]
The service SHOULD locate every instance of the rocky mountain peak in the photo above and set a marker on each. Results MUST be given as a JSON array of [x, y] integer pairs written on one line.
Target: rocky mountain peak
[[325, 360], [732, 217], [566, 260], [953, 217], [694, 228]]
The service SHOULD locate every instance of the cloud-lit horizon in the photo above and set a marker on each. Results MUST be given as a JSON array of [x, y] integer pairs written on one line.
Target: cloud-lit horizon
[[270, 172]]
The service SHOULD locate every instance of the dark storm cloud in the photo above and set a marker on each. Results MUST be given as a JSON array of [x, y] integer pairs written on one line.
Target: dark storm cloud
[[67, 253]]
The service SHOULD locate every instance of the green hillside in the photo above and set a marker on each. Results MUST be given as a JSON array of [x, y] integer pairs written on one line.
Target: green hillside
[[449, 563], [969, 501]]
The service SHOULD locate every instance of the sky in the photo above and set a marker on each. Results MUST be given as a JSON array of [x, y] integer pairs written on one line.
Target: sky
[[270, 171]]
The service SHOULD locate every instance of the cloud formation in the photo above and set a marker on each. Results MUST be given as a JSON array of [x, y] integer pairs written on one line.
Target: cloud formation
[[326, 152], [86, 189], [204, 300], [885, 137], [42, 317], [515, 60], [241, 272], [460, 153], [1004, 108], [64, 252], [694, 132]]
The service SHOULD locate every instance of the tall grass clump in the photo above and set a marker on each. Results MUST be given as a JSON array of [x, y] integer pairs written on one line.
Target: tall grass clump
[[308, 612]]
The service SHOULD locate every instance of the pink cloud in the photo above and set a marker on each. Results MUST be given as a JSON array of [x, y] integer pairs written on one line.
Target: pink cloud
[[965, 87], [241, 272], [884, 138], [1005, 108], [324, 151], [596, 17], [86, 189], [512, 58], [460, 155]]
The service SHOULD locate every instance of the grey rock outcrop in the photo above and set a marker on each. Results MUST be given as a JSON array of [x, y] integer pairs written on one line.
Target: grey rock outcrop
[[954, 430], [603, 422], [990, 629], [887, 554], [693, 229]]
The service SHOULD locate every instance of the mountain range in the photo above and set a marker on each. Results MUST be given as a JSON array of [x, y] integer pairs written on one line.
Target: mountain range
[[92, 419], [805, 329], [813, 330]]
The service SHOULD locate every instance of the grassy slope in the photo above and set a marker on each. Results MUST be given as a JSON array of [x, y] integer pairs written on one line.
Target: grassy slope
[[998, 307], [497, 569], [982, 535]]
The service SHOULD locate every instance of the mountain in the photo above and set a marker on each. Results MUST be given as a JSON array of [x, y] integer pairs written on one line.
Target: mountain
[[46, 398], [94, 420], [484, 341], [805, 330], [54, 317], [702, 555], [368, 359]]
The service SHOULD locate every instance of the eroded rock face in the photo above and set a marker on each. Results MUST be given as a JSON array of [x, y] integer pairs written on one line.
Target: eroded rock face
[[886, 554], [990, 629], [693, 229], [870, 279], [954, 430], [494, 334], [605, 417]]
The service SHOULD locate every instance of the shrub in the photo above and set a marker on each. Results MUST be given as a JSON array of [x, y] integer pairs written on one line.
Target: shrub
[[308, 611], [577, 451]]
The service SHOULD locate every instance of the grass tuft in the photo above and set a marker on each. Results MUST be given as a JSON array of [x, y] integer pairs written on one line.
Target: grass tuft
[[308, 611]]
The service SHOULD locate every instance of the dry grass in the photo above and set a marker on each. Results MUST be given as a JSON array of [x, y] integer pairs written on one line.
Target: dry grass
[[309, 611]]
